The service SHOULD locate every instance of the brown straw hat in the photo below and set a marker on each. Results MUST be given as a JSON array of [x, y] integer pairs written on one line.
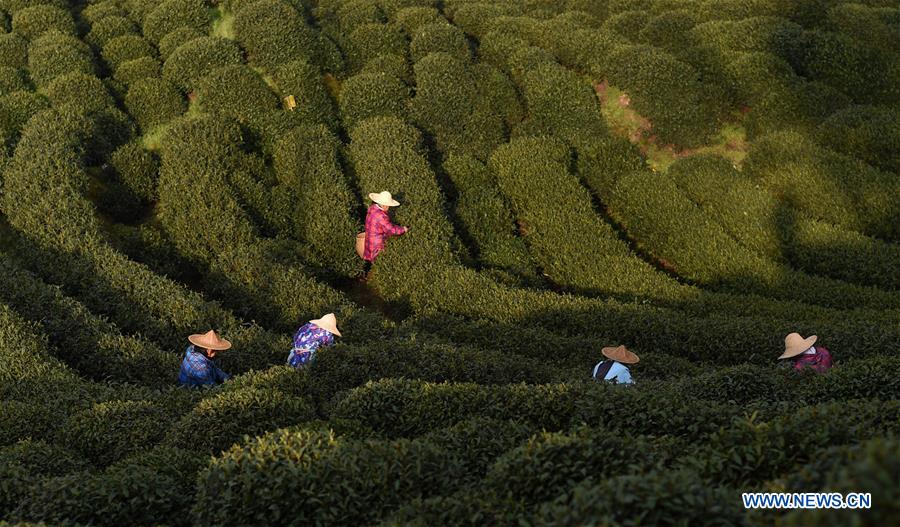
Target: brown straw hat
[[384, 199], [794, 345], [328, 323], [620, 354], [210, 340]]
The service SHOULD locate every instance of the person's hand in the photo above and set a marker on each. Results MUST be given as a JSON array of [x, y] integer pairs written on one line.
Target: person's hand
[[405, 230]]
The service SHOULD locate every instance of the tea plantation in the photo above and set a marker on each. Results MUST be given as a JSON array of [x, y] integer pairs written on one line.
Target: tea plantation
[[694, 179]]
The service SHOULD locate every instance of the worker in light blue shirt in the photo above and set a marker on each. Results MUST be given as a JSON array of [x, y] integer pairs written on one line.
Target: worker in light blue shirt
[[614, 369]]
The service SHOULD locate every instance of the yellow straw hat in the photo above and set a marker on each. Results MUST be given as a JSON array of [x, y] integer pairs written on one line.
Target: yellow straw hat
[[794, 345], [328, 323], [210, 340], [384, 199], [620, 354]]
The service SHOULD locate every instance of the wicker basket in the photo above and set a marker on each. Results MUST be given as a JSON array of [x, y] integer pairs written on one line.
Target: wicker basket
[[361, 244]]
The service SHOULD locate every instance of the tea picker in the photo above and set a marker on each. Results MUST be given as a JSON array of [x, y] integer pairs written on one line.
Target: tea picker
[[613, 369], [310, 337], [197, 367], [378, 226], [805, 355]]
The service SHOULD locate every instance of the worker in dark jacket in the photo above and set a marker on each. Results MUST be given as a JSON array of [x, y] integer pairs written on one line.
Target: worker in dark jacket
[[805, 355], [198, 368]]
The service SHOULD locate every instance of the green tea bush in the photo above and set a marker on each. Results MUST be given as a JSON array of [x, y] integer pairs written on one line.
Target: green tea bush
[[21, 420], [25, 462], [390, 64], [477, 18], [173, 14], [561, 104], [461, 508], [752, 450], [139, 9], [393, 7], [273, 32], [91, 345], [670, 30], [448, 105], [125, 48], [114, 497], [867, 75], [372, 94], [354, 13], [134, 70], [174, 39], [587, 454], [111, 431], [30, 374], [137, 169], [655, 497], [546, 225], [218, 422], [235, 90], [80, 92], [800, 106], [478, 442], [761, 222], [720, 262], [54, 54], [869, 133], [412, 18], [826, 185], [774, 35], [154, 101], [12, 80], [500, 92], [331, 479], [348, 366], [866, 24], [209, 143], [665, 91], [33, 22], [370, 40], [484, 213], [752, 76], [304, 81], [191, 61], [320, 203], [97, 11], [16, 109], [13, 51], [12, 6], [109, 28], [439, 37], [627, 24], [870, 466]]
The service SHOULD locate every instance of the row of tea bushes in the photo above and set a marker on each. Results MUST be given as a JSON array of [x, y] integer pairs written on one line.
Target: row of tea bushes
[[640, 199], [760, 222], [90, 345], [485, 216], [826, 185], [64, 244], [200, 154]]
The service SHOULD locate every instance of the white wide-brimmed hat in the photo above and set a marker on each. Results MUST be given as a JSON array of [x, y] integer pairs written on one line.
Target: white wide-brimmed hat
[[328, 323], [794, 345], [384, 199], [620, 354], [209, 340]]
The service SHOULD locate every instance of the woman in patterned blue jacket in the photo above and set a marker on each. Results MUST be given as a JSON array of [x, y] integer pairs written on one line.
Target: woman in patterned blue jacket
[[310, 337]]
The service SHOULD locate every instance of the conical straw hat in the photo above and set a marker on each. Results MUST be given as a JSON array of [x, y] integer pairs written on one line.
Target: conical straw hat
[[328, 323], [384, 199], [620, 354], [210, 340], [794, 345]]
